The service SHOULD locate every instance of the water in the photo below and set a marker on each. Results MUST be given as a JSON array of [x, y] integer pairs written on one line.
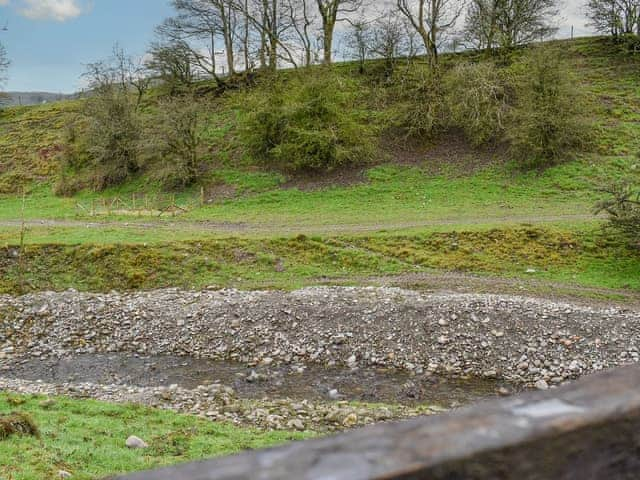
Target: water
[[314, 383]]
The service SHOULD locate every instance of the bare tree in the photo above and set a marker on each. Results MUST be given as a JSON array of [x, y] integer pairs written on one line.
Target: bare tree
[[432, 19], [388, 40], [481, 24], [199, 24], [132, 73], [173, 63], [246, 38], [509, 23], [614, 17], [274, 23], [302, 20], [332, 12], [4, 66], [359, 41], [4, 63], [121, 71]]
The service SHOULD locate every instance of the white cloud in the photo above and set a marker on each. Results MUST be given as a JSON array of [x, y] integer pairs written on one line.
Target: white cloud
[[58, 10]]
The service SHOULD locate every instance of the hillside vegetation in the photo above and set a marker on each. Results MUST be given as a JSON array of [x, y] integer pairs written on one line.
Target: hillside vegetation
[[333, 150], [365, 123]]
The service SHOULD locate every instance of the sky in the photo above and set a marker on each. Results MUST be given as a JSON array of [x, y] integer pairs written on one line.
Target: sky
[[50, 41]]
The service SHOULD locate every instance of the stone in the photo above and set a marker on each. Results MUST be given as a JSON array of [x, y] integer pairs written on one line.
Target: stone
[[295, 424], [64, 474], [350, 420], [134, 442], [504, 392], [542, 385], [47, 404]]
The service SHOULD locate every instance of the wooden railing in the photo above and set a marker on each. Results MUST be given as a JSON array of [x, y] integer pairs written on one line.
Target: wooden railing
[[139, 204], [584, 431]]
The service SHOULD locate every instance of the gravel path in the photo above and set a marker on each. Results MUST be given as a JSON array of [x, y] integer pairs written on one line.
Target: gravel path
[[523, 341]]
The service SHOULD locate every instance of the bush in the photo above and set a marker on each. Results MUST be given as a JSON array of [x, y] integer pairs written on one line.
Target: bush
[[477, 97], [546, 123], [177, 134], [623, 208], [308, 126], [419, 98], [113, 136]]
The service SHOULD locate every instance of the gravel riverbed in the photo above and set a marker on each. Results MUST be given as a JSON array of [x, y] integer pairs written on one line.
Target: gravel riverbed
[[523, 341]]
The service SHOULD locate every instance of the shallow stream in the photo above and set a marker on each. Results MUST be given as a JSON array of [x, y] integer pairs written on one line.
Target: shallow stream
[[313, 382]]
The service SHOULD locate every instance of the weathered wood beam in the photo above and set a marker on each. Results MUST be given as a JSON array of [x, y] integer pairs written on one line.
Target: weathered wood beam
[[584, 431]]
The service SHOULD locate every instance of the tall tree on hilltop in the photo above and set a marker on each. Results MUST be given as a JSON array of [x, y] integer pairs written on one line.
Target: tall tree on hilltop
[[198, 24], [332, 12], [4, 66], [507, 24], [432, 19], [614, 17]]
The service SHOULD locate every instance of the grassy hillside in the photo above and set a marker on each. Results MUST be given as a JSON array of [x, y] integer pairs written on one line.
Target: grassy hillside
[[412, 193], [408, 179]]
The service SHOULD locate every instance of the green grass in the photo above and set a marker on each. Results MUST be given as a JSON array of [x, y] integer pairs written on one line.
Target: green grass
[[578, 254], [87, 439], [392, 194]]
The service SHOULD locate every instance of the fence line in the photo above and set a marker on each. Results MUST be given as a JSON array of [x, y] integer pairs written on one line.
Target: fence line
[[140, 204]]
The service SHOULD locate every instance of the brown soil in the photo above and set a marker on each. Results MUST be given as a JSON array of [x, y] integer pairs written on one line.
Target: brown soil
[[451, 154]]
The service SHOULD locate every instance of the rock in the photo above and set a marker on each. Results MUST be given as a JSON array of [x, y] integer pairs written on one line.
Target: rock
[[64, 474], [255, 377], [47, 404], [542, 385], [295, 424], [350, 420], [504, 392], [134, 442], [334, 394]]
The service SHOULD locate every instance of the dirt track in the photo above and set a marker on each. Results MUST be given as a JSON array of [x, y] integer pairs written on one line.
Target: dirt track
[[287, 229]]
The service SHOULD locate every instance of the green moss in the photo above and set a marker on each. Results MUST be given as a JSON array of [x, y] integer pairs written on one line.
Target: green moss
[[585, 257]]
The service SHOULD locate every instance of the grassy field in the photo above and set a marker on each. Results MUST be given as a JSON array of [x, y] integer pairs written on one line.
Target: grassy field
[[575, 254], [87, 439]]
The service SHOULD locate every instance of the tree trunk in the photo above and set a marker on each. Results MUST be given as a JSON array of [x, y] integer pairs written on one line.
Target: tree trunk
[[245, 39], [328, 42]]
